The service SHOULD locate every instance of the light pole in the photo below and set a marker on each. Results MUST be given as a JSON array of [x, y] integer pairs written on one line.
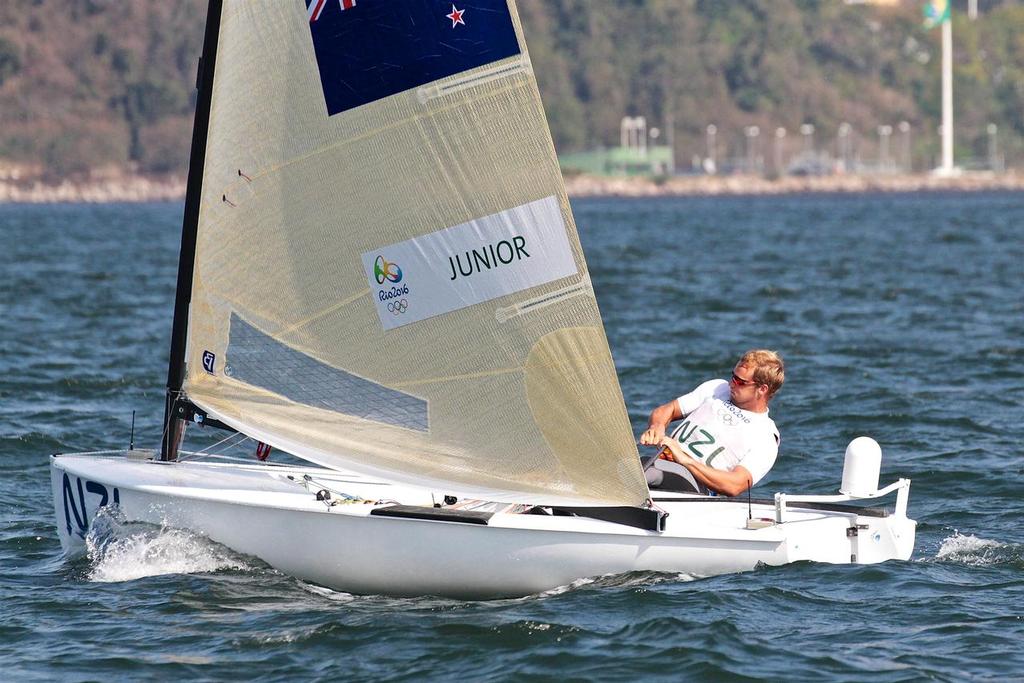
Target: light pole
[[947, 98], [654, 133], [751, 132], [780, 136], [884, 162], [993, 154], [807, 130], [712, 162], [904, 127], [844, 146]]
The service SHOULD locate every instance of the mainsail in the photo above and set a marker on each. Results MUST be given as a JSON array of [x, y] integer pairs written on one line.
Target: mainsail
[[387, 275]]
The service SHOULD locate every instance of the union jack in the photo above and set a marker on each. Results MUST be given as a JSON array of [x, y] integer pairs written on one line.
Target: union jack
[[314, 9], [317, 6]]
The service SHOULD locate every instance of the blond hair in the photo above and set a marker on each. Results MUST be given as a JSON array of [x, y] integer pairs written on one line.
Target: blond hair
[[768, 368]]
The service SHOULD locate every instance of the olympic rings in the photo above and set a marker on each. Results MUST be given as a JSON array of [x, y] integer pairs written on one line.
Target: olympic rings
[[398, 307], [725, 416]]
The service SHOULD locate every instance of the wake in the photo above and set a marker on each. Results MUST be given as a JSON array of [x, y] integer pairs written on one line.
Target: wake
[[118, 551], [971, 550]]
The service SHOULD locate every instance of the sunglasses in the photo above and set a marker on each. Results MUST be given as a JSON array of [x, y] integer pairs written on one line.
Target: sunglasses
[[742, 382]]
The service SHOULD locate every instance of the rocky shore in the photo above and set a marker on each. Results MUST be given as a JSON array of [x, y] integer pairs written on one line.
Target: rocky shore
[[703, 185], [106, 190], [146, 189]]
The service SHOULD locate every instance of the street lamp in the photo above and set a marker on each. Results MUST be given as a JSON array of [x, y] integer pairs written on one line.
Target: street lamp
[[883, 146], [807, 130], [904, 127], [780, 136], [712, 162], [844, 145], [993, 162], [751, 132]]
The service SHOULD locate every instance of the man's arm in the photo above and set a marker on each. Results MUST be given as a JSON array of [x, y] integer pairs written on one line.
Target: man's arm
[[729, 483], [660, 419]]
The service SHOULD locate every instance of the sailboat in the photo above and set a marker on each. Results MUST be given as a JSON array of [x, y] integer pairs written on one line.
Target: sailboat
[[380, 275]]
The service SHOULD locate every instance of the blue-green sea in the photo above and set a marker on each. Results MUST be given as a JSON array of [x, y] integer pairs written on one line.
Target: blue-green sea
[[900, 317]]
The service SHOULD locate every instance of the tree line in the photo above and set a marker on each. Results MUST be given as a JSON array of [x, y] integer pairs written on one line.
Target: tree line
[[109, 84]]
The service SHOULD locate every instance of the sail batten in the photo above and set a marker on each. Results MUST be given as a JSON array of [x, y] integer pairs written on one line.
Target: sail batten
[[397, 286]]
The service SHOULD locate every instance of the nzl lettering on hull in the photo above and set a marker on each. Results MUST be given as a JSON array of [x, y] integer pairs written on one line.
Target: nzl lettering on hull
[[367, 50], [75, 506]]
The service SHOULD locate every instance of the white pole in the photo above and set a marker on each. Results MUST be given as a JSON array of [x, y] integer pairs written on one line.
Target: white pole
[[844, 147], [712, 151], [992, 165], [780, 136], [947, 97], [905, 146], [883, 147], [807, 130], [751, 133]]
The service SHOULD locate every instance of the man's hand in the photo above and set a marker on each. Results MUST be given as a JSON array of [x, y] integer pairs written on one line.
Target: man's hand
[[673, 450], [660, 419], [652, 437]]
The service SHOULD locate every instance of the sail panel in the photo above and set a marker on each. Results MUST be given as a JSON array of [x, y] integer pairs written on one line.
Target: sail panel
[[298, 203], [261, 361]]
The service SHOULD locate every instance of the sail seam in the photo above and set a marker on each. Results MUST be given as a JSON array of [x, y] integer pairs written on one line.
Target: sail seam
[[434, 92], [508, 312], [320, 314], [468, 375]]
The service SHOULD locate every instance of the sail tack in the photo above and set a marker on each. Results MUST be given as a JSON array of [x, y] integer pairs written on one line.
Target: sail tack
[[388, 276]]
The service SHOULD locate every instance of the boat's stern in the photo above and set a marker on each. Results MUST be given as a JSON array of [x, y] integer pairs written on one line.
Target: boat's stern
[[875, 540], [828, 529]]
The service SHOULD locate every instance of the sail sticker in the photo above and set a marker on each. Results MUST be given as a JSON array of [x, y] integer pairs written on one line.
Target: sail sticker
[[209, 361], [372, 49], [467, 264], [256, 358]]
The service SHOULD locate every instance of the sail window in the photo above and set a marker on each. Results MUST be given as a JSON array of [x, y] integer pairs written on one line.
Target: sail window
[[258, 359]]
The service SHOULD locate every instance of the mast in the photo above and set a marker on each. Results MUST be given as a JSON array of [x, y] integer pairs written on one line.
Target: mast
[[174, 426]]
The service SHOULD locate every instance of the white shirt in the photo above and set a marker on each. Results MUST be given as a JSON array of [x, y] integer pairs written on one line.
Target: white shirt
[[722, 435]]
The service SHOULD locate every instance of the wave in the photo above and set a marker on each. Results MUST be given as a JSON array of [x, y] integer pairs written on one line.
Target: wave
[[971, 550], [119, 551]]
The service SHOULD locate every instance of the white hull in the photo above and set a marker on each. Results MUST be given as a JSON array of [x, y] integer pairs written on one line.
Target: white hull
[[259, 510]]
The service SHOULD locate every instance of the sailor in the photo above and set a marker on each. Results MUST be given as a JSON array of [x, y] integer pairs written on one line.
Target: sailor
[[726, 442]]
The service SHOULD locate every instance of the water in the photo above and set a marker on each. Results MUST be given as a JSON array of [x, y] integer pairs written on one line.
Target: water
[[901, 317]]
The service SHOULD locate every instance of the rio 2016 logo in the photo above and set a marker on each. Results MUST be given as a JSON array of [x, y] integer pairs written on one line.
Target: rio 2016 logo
[[382, 270]]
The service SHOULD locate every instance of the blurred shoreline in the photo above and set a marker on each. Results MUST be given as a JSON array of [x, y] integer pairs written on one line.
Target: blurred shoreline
[[172, 188], [739, 185]]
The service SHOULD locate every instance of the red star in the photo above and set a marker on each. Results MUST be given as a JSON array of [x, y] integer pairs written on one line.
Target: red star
[[456, 16]]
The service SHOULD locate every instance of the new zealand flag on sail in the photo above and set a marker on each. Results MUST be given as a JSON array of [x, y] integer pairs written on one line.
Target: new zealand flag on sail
[[371, 49]]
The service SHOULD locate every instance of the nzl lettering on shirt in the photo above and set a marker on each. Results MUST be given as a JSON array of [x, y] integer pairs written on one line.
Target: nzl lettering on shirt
[[722, 435]]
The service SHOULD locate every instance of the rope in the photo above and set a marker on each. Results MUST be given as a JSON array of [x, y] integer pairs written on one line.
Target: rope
[[240, 438]]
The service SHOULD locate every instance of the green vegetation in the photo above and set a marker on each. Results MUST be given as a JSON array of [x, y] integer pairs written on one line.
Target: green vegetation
[[776, 64], [98, 85], [94, 84]]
